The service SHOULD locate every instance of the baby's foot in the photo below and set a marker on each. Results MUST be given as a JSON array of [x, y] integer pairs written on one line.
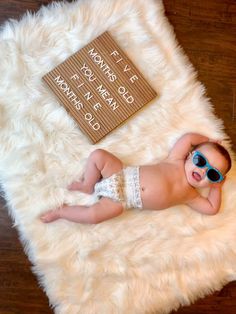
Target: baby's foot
[[50, 216], [80, 186]]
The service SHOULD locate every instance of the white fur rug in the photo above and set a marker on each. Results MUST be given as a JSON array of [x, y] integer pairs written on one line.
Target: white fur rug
[[142, 261]]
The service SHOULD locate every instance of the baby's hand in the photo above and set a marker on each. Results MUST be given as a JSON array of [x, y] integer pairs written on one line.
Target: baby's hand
[[220, 184], [223, 181]]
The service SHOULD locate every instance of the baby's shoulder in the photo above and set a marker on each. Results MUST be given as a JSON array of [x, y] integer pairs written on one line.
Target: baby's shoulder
[[172, 163], [175, 159]]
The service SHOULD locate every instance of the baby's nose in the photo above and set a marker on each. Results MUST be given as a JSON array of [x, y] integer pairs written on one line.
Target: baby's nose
[[203, 171]]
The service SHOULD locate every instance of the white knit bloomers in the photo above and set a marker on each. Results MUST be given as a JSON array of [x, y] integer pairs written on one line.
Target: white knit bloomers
[[123, 187]]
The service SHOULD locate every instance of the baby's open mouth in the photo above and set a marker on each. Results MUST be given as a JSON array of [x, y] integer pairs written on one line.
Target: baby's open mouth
[[196, 176]]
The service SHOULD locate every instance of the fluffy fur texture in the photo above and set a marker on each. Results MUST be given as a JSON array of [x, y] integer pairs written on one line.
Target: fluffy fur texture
[[142, 261]]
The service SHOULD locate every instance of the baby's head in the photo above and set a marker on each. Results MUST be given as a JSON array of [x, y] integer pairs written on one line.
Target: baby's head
[[207, 164]]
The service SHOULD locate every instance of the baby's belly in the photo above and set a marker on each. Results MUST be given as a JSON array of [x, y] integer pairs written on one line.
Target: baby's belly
[[155, 200], [156, 192]]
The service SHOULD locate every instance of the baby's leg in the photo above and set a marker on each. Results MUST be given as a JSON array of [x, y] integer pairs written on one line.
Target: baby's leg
[[100, 164], [103, 210]]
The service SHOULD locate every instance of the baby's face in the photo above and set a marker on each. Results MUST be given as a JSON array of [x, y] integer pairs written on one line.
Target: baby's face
[[197, 176]]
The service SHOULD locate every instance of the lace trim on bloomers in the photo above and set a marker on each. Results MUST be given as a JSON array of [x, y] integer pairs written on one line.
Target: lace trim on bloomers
[[122, 187]]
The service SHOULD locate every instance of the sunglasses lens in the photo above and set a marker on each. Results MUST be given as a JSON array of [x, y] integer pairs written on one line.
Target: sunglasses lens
[[213, 175], [199, 160]]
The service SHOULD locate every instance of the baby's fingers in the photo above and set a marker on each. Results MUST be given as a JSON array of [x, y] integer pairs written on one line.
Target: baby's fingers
[[222, 182], [215, 141]]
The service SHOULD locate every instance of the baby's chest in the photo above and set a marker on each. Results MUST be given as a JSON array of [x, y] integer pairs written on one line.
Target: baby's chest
[[164, 187]]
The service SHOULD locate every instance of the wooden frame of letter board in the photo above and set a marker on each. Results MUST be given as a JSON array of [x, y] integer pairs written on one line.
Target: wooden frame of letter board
[[106, 117]]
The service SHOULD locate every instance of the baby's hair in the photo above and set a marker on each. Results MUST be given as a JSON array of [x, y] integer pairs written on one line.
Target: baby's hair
[[221, 150]]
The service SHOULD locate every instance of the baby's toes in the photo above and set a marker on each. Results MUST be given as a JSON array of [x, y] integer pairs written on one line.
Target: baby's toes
[[50, 216], [75, 186]]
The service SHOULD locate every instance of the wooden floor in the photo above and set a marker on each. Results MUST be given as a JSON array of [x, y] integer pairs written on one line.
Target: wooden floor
[[207, 32]]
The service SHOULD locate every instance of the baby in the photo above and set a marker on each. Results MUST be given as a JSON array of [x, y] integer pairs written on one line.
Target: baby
[[171, 182]]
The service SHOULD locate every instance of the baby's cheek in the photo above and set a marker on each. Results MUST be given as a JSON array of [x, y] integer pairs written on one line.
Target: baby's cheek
[[205, 183], [189, 168]]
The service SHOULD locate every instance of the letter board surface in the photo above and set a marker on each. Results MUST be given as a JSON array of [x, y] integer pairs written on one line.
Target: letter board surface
[[100, 87]]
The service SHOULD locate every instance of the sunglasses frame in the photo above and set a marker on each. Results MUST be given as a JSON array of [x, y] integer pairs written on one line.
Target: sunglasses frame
[[208, 166]]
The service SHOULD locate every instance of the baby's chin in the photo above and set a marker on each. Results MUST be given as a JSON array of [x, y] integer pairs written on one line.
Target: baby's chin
[[200, 184]]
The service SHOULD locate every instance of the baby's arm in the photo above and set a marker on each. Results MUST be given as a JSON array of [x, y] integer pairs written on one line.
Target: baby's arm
[[209, 205], [184, 144]]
